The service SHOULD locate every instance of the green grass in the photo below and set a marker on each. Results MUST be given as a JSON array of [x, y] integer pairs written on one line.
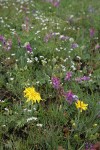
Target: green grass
[[59, 125]]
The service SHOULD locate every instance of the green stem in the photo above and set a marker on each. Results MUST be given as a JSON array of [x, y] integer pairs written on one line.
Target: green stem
[[78, 117]]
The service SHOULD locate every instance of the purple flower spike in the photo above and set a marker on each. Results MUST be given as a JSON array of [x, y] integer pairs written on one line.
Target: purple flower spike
[[68, 76], [47, 37], [84, 78], [55, 82], [56, 4], [28, 47], [1, 38], [74, 45], [97, 46], [64, 38], [70, 97], [92, 32], [89, 146]]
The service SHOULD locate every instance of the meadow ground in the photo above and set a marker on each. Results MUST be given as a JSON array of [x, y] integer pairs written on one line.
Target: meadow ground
[[49, 75]]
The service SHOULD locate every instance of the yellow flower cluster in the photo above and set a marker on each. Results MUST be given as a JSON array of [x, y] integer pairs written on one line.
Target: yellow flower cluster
[[81, 105], [32, 95]]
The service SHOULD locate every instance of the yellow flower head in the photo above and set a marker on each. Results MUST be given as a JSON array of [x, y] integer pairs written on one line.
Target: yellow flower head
[[81, 105], [32, 95]]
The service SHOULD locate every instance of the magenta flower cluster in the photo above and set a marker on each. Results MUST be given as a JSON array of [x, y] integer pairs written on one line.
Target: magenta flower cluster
[[69, 96], [55, 3], [68, 76], [84, 78], [89, 146], [56, 82], [28, 47], [54, 34], [7, 44], [92, 32]]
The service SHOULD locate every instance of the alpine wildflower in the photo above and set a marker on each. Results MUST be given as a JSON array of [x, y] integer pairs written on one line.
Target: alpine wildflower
[[70, 97], [28, 47], [81, 105], [92, 32], [31, 95], [55, 82], [68, 76]]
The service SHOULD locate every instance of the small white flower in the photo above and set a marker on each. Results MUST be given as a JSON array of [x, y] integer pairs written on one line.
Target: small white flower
[[71, 16], [25, 109], [11, 79], [8, 58], [32, 118], [78, 57], [73, 67], [4, 125], [12, 54], [41, 56], [71, 39], [37, 82], [6, 109], [2, 101], [57, 49], [39, 125], [37, 32], [29, 60], [36, 58]]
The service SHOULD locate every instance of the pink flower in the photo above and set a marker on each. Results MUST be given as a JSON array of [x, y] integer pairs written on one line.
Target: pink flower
[[1, 38], [74, 45], [47, 37], [70, 97], [68, 76], [55, 82], [97, 46], [56, 3], [28, 47], [92, 32], [84, 78], [64, 38]]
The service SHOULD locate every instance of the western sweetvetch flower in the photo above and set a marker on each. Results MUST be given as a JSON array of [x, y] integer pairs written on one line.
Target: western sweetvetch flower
[[70, 97], [56, 3], [81, 105], [89, 146], [31, 95], [68, 76], [47, 37], [92, 32], [84, 78], [64, 38], [28, 47], [1, 38], [74, 45], [55, 82], [97, 46]]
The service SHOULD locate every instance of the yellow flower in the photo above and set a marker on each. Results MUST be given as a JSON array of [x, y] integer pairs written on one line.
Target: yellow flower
[[32, 95], [81, 105]]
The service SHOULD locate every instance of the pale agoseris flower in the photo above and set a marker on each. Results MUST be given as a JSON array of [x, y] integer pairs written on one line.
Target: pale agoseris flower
[[31, 95], [81, 105]]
